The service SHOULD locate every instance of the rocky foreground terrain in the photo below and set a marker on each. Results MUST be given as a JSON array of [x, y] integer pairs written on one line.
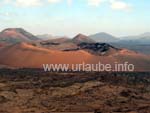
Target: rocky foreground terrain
[[34, 91]]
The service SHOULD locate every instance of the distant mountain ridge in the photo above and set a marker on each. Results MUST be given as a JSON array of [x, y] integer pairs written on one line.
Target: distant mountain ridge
[[146, 34], [139, 43], [103, 37], [137, 39]]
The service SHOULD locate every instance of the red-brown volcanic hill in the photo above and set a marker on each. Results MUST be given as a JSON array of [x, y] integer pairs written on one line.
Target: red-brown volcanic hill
[[29, 56], [3, 45], [80, 38], [26, 55], [15, 35]]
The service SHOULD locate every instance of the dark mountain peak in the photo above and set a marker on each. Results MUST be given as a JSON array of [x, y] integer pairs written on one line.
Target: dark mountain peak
[[103, 34], [103, 37]]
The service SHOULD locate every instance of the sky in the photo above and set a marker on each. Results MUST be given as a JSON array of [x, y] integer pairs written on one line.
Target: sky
[[70, 17]]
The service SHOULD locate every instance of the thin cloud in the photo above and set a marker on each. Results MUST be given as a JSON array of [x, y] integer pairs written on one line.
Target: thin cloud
[[7, 1], [120, 5], [95, 2], [69, 2], [28, 2], [113, 4], [6, 16], [54, 1]]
